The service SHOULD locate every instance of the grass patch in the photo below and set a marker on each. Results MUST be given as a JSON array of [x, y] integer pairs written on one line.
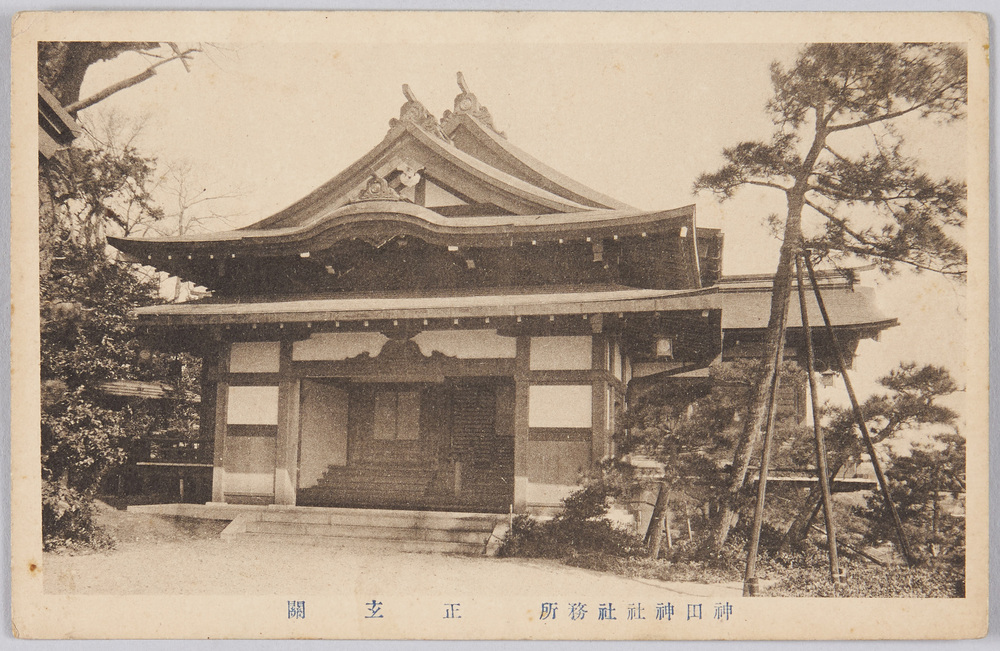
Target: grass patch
[[660, 570], [871, 581]]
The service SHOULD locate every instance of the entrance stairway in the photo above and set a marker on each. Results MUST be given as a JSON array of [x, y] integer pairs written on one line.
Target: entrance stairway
[[430, 487], [369, 486], [368, 529]]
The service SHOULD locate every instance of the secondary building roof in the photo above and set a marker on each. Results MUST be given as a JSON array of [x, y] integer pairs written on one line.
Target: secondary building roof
[[741, 309], [377, 306]]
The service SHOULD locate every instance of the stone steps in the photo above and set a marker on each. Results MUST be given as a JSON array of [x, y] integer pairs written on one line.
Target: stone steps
[[368, 532], [372, 546], [367, 472], [369, 499], [399, 530], [404, 487], [379, 483]]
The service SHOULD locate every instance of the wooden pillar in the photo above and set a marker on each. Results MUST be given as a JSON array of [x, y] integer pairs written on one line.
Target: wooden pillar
[[521, 386], [599, 398], [286, 452], [209, 380], [221, 409]]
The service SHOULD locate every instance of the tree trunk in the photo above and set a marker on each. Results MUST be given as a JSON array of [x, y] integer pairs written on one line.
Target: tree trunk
[[773, 347], [803, 521], [654, 534], [934, 523], [63, 65], [47, 221], [774, 342], [799, 528]]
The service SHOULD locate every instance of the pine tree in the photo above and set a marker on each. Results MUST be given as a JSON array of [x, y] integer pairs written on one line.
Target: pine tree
[[837, 154]]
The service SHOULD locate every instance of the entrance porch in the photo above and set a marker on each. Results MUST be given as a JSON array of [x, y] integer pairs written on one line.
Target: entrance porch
[[439, 446], [470, 420]]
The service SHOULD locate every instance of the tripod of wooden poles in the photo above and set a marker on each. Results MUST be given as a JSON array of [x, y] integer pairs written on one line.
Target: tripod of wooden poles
[[750, 583]]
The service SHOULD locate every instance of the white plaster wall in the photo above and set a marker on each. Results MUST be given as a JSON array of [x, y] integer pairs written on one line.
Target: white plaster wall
[[556, 405], [252, 405], [249, 463], [549, 494], [561, 353]]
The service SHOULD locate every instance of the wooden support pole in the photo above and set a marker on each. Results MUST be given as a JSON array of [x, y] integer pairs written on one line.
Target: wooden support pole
[[750, 575], [821, 467], [286, 444], [666, 527], [600, 436], [859, 417]]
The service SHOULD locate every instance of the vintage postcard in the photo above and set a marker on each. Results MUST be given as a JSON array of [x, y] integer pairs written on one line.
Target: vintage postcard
[[499, 325]]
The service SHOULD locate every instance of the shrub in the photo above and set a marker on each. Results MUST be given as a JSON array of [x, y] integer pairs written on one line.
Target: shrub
[[560, 538], [68, 520], [581, 528], [88, 337]]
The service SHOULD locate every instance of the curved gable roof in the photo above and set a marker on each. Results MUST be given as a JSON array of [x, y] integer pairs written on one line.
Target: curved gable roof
[[473, 137], [410, 144], [511, 196]]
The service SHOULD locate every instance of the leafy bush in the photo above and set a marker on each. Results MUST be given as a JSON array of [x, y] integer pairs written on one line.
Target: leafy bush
[[88, 337], [561, 538], [68, 520], [581, 528]]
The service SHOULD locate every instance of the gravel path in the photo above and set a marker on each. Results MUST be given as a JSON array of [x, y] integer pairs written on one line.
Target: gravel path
[[215, 566]]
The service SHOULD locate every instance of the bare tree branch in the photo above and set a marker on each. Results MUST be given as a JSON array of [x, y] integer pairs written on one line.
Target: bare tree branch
[[127, 83]]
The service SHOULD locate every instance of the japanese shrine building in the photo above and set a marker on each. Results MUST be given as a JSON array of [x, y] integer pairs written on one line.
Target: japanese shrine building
[[449, 324]]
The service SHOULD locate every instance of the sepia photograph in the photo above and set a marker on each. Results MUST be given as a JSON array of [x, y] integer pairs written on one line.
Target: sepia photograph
[[499, 326]]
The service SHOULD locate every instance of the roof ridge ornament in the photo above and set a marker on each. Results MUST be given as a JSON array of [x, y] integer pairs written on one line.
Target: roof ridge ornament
[[377, 189], [416, 113], [466, 103]]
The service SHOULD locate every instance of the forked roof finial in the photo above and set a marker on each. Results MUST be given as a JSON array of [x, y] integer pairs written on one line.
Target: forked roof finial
[[466, 103], [416, 113]]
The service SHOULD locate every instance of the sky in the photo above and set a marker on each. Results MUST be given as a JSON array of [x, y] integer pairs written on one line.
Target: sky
[[639, 122]]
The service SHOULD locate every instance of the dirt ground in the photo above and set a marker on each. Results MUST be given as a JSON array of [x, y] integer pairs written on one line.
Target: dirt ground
[[167, 555]]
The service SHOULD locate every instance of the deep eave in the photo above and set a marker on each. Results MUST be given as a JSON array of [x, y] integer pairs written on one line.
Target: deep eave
[[379, 220], [374, 307], [746, 311]]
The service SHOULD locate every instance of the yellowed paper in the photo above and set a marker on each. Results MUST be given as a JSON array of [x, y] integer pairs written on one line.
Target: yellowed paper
[[633, 105]]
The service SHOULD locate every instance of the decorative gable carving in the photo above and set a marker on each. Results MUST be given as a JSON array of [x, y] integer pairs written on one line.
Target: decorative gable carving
[[466, 103], [377, 189]]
